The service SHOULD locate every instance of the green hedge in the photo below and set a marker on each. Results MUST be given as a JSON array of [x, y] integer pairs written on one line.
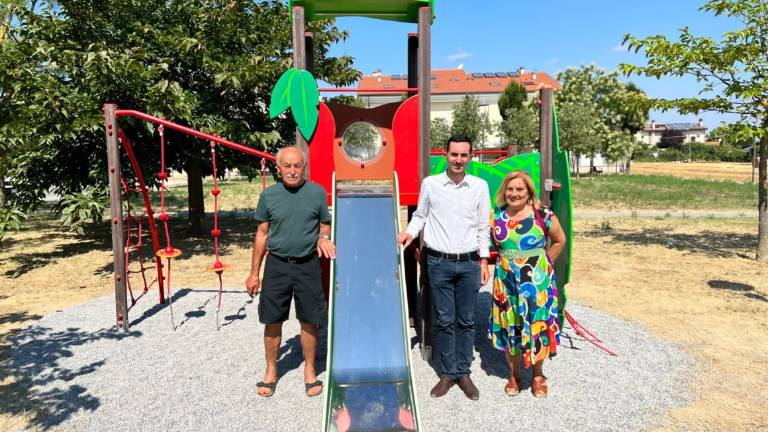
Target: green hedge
[[699, 152]]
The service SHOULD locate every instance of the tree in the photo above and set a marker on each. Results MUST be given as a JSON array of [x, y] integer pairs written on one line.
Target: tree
[[468, 120], [207, 65], [578, 133], [672, 138], [733, 72], [616, 106], [520, 126], [513, 96], [440, 133]]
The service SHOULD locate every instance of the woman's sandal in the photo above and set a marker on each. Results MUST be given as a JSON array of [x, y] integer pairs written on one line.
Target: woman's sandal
[[513, 387], [269, 386], [539, 387]]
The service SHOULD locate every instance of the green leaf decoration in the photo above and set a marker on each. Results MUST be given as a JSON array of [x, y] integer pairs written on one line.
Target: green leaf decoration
[[304, 100], [281, 94], [296, 89]]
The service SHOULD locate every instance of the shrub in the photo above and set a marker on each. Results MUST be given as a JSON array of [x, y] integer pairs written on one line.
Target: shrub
[[76, 209], [10, 219]]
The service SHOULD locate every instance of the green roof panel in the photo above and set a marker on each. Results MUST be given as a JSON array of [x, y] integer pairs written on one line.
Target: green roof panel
[[391, 10]]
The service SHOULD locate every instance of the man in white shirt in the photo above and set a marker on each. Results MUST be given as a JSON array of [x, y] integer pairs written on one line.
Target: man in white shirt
[[454, 212]]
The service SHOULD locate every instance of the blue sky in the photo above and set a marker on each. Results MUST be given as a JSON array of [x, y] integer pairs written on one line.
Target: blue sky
[[490, 36]]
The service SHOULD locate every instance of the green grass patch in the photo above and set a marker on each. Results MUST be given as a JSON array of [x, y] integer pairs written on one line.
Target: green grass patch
[[661, 192]]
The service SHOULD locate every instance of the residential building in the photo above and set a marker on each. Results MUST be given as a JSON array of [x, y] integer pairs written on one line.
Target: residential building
[[653, 132], [449, 87]]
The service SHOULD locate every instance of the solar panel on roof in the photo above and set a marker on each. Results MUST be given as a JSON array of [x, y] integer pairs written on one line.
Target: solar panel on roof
[[477, 75], [489, 75], [501, 74], [513, 74], [395, 77], [433, 77]]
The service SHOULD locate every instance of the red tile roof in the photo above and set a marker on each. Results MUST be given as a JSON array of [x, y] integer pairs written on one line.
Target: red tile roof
[[449, 81]]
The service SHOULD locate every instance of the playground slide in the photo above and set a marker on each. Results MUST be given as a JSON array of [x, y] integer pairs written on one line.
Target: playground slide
[[369, 378]]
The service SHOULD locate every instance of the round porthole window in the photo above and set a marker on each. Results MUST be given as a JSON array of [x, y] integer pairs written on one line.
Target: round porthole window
[[361, 141]]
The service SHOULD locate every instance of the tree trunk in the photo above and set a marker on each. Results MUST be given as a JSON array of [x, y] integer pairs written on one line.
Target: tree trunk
[[762, 198], [2, 190], [629, 163], [195, 200], [578, 174]]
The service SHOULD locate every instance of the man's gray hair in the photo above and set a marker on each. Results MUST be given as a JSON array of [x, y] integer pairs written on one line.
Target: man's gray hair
[[280, 152]]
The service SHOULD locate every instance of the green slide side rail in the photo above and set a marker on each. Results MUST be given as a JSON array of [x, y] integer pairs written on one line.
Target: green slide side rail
[[391, 10]]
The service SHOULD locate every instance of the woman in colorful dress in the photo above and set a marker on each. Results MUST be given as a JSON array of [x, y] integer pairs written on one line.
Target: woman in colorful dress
[[524, 314]]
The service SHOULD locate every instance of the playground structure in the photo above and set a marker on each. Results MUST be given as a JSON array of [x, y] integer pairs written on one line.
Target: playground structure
[[374, 288]]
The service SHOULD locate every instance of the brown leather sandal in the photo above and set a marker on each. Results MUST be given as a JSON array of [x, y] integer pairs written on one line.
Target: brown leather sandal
[[513, 387], [539, 387]]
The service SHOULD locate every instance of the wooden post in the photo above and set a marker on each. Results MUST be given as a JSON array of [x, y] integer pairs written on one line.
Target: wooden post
[[299, 62], [413, 61], [116, 208], [425, 87], [309, 46], [545, 144], [411, 269]]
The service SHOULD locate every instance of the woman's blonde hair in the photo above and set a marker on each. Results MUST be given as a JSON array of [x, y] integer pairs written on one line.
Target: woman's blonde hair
[[501, 200]]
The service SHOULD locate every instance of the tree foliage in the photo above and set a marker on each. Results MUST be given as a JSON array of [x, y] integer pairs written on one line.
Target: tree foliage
[[440, 133], [618, 110], [208, 65], [520, 126], [469, 121], [576, 126], [514, 96], [732, 71]]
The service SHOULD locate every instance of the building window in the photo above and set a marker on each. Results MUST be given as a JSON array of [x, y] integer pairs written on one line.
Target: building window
[[693, 138]]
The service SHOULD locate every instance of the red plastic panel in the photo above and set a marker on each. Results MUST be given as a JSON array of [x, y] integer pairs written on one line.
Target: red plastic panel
[[321, 165], [405, 129]]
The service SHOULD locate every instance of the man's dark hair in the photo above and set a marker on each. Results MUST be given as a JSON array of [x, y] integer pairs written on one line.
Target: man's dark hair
[[458, 138]]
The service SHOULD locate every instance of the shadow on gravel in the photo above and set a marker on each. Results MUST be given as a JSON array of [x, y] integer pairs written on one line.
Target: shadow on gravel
[[38, 352], [158, 307], [710, 243], [492, 361], [737, 287], [290, 355]]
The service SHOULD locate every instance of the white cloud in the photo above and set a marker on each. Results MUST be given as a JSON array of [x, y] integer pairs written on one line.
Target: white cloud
[[459, 55], [551, 62]]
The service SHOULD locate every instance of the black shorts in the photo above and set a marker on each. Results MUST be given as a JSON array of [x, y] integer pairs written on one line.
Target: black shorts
[[301, 280]]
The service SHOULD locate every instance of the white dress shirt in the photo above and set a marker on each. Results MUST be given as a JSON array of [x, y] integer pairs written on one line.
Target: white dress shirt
[[455, 217]]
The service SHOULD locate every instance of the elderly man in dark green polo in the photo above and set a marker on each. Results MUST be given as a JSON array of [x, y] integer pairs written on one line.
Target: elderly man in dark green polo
[[294, 226]]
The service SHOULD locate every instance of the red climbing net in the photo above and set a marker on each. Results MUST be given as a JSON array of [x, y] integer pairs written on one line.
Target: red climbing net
[[136, 225]]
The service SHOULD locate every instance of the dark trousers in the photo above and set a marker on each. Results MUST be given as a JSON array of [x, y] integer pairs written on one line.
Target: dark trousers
[[454, 293]]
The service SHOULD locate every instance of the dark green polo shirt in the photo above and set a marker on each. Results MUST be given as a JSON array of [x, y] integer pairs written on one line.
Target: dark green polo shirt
[[294, 216]]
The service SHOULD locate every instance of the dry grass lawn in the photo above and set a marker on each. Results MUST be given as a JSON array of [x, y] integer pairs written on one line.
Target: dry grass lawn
[[690, 281], [733, 171]]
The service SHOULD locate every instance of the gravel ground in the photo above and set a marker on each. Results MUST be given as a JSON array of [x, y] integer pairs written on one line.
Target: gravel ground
[[86, 376]]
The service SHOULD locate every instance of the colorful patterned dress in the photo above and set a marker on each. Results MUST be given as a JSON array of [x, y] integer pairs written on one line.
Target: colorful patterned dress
[[524, 312]]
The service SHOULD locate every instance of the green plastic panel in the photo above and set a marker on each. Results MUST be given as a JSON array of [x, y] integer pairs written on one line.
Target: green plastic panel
[[493, 174], [562, 205], [391, 10]]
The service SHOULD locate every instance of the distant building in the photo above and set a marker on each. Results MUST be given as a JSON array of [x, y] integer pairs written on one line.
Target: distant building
[[652, 133], [450, 85]]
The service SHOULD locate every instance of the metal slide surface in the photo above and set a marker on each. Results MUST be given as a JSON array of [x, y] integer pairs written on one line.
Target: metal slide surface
[[370, 386]]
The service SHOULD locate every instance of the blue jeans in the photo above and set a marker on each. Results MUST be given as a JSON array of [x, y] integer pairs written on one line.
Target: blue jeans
[[454, 293]]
